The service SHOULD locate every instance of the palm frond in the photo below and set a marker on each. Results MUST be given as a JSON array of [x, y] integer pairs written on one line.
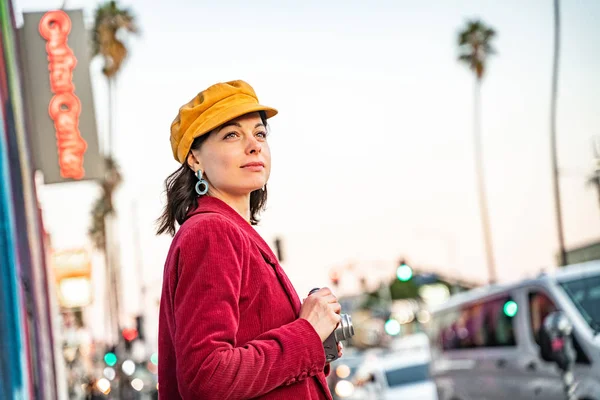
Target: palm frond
[[103, 206], [474, 46], [468, 58], [109, 19]]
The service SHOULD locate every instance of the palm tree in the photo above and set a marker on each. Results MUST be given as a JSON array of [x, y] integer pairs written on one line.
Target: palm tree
[[102, 210], [109, 21], [474, 46], [555, 181]]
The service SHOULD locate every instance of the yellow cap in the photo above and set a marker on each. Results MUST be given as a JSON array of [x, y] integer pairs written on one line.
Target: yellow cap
[[210, 109]]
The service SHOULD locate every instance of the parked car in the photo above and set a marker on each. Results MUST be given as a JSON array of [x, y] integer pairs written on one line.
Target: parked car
[[401, 375], [343, 380]]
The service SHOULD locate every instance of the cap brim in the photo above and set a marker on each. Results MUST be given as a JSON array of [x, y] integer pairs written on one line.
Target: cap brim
[[232, 113], [219, 119]]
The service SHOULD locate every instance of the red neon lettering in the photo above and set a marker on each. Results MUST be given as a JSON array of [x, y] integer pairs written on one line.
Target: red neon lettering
[[65, 107]]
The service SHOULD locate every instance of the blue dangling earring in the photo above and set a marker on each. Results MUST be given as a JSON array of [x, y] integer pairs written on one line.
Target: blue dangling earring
[[201, 185]]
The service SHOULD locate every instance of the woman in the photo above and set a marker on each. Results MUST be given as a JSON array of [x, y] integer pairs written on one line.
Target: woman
[[231, 324]]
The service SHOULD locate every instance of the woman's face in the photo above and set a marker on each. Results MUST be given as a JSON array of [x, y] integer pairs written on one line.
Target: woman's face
[[235, 158]]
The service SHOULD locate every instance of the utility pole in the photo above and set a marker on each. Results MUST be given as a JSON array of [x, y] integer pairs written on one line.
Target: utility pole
[[553, 142]]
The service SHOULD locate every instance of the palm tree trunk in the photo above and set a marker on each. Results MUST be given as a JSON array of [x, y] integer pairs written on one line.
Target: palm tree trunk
[[110, 116], [558, 209], [483, 207], [115, 272], [111, 326], [110, 231]]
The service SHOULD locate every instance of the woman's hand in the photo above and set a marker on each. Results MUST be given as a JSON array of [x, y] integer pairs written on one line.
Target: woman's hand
[[321, 309]]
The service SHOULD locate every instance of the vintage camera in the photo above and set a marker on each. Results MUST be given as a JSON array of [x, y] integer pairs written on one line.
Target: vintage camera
[[344, 331]]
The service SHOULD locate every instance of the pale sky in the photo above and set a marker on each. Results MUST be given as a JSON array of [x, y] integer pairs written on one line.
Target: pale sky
[[372, 149]]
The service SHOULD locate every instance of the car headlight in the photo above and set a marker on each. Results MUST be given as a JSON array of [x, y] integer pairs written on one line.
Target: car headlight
[[344, 388]]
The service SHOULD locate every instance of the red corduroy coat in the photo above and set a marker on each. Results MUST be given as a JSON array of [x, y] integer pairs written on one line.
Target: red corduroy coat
[[229, 326]]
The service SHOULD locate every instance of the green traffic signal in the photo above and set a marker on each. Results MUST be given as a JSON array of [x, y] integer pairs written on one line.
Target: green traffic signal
[[510, 308], [404, 273], [110, 359], [392, 327]]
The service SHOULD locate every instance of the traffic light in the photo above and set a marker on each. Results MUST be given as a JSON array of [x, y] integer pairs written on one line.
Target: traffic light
[[110, 358], [139, 324], [334, 277], [392, 327], [154, 358], [129, 334], [404, 272], [510, 308], [279, 249]]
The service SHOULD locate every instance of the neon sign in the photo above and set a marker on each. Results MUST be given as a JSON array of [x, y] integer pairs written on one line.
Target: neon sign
[[65, 106]]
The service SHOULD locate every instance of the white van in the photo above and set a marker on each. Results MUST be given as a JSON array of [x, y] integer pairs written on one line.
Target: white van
[[485, 342]]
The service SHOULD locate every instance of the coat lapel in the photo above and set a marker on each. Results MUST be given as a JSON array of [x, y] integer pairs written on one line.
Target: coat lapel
[[208, 204], [270, 258]]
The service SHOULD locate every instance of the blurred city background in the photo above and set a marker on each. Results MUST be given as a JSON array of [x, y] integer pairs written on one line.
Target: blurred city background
[[437, 164]]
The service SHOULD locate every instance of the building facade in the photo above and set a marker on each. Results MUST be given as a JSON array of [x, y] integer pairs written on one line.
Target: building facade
[[27, 360]]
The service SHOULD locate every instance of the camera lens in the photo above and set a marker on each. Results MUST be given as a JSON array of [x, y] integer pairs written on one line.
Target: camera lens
[[345, 329]]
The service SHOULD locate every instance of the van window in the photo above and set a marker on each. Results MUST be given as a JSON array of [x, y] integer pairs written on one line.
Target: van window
[[585, 294], [540, 306], [482, 324], [499, 324]]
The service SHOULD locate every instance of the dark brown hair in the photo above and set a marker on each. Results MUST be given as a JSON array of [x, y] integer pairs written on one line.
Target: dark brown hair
[[182, 197]]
